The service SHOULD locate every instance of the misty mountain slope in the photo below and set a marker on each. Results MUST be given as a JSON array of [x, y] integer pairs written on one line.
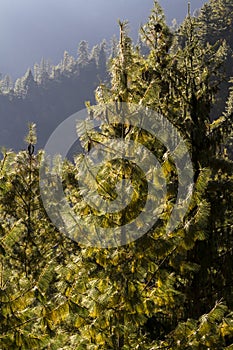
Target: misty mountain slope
[[50, 96], [53, 93], [32, 29]]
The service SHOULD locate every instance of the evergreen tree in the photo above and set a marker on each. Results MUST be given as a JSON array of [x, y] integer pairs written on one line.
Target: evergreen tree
[[68, 63], [42, 71], [6, 84], [152, 285], [165, 290], [102, 61], [95, 53], [83, 54], [31, 250], [114, 47], [25, 85], [36, 73]]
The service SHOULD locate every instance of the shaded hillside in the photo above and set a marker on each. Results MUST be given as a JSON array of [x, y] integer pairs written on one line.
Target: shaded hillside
[[216, 23], [49, 95]]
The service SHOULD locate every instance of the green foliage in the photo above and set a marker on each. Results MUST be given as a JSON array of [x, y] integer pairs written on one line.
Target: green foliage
[[162, 291]]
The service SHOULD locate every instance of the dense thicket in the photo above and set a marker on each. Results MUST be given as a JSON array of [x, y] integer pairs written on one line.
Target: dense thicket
[[165, 290]]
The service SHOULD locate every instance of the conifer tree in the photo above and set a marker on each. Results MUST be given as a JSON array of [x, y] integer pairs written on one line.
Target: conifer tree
[[113, 49], [6, 84], [164, 290], [68, 63], [31, 248], [159, 282], [83, 53]]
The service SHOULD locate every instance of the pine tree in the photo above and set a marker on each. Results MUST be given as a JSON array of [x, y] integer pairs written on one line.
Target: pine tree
[[95, 53], [25, 85], [113, 50], [164, 290], [152, 285], [83, 54], [31, 249], [102, 61], [68, 63], [6, 84], [42, 71]]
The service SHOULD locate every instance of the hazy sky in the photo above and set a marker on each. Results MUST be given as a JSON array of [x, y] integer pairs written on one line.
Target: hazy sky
[[30, 29]]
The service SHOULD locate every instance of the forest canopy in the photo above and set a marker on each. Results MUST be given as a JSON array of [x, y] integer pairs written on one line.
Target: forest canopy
[[164, 290]]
